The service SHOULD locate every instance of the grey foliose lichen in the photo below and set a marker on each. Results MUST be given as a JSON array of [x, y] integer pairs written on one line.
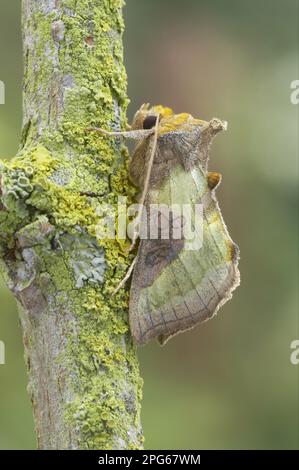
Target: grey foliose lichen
[[86, 257], [16, 187]]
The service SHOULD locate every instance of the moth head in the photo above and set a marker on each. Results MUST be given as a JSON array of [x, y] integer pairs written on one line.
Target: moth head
[[150, 121], [146, 117]]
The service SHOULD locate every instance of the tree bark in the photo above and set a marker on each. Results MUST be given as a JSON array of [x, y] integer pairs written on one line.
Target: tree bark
[[83, 372]]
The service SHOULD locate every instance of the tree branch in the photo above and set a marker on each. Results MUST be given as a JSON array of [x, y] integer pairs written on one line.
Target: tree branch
[[83, 373]]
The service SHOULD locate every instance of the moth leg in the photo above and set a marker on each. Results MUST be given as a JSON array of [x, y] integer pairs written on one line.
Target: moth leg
[[127, 276], [155, 132], [137, 134]]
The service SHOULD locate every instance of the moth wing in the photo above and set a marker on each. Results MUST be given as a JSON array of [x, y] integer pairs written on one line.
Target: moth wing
[[174, 288]]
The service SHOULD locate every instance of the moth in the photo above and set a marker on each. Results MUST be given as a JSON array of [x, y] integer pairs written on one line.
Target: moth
[[173, 288]]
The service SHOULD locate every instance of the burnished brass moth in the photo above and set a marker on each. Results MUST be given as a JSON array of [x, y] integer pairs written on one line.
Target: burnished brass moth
[[173, 287]]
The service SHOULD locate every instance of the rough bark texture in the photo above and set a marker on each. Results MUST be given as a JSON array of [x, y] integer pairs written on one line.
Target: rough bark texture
[[83, 373]]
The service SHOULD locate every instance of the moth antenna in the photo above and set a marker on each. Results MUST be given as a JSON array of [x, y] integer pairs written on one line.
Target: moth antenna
[[103, 131], [137, 134], [147, 180], [127, 276]]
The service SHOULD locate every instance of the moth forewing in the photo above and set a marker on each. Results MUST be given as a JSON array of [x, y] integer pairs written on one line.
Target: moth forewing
[[193, 227], [180, 282]]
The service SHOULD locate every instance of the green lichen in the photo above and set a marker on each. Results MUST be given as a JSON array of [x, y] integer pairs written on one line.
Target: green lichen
[[64, 173], [37, 162]]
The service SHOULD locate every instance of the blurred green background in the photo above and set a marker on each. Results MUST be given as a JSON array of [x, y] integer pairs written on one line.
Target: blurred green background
[[228, 383]]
